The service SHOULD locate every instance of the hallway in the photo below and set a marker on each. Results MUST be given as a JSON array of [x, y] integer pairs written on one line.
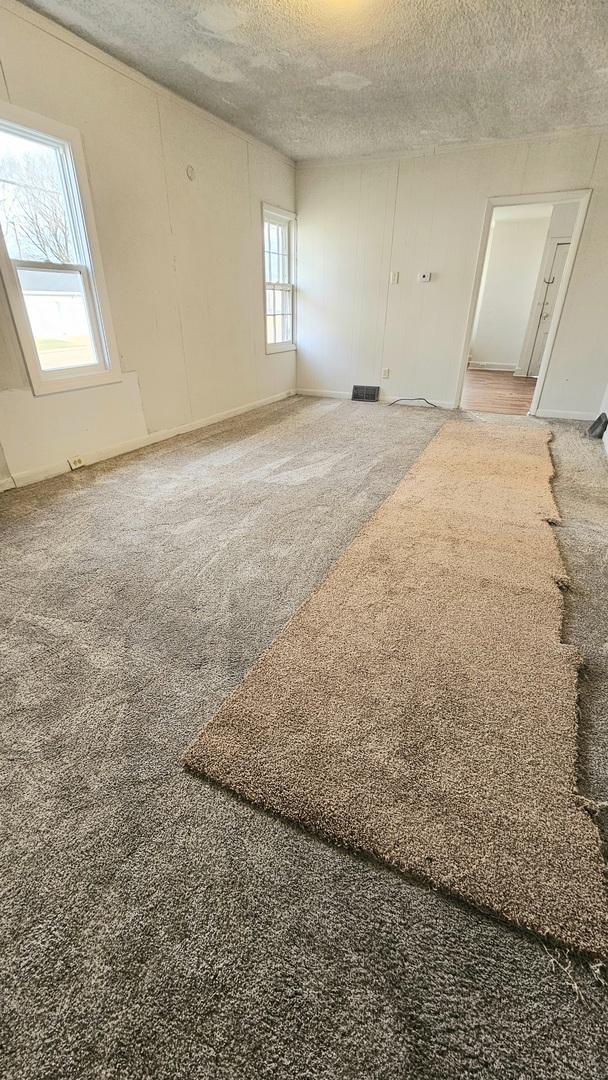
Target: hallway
[[496, 392]]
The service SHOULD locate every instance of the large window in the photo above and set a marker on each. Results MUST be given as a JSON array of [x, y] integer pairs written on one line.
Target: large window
[[279, 278], [46, 257]]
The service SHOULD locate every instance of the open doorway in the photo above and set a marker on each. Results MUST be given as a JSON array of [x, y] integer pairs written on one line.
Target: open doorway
[[526, 258]]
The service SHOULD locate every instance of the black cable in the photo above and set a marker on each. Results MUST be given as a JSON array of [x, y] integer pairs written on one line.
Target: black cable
[[431, 403]]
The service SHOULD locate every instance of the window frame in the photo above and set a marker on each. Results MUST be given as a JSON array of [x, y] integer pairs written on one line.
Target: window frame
[[282, 217], [90, 267]]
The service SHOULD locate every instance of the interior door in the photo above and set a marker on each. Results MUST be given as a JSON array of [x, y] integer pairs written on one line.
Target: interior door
[[552, 284]]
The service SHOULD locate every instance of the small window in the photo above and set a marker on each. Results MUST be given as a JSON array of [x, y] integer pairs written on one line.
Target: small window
[[279, 278], [46, 260]]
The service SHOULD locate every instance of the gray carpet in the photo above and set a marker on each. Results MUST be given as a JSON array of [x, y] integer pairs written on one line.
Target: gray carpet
[[421, 707], [154, 925]]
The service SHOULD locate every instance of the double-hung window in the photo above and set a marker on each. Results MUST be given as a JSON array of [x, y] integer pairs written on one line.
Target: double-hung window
[[279, 278], [47, 257]]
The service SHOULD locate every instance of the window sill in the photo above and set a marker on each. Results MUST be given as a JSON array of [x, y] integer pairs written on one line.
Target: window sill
[[282, 348], [42, 385]]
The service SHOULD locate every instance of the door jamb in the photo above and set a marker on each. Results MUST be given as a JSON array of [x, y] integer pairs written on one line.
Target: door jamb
[[547, 261], [582, 195]]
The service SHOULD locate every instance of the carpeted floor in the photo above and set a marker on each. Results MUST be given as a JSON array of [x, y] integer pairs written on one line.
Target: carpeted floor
[[421, 707], [152, 924]]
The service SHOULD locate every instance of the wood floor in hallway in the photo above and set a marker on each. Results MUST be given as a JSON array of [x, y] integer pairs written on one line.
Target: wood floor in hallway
[[497, 392]]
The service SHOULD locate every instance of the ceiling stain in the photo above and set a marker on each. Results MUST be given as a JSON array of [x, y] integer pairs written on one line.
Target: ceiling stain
[[221, 19], [211, 65], [336, 78]]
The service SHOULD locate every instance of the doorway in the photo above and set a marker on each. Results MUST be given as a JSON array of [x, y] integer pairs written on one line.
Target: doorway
[[496, 392], [526, 257]]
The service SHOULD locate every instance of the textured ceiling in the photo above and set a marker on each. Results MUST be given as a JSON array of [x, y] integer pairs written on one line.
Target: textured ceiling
[[331, 78]]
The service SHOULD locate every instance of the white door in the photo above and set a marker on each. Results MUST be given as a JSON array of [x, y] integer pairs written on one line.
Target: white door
[[552, 284]]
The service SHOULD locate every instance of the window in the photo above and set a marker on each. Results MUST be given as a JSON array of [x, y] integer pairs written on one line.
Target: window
[[45, 255], [279, 276]]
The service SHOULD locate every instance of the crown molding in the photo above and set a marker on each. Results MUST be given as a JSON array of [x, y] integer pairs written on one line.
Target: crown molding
[[437, 149]]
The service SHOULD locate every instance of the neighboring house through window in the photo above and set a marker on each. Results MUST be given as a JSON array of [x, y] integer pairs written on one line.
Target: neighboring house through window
[[279, 278]]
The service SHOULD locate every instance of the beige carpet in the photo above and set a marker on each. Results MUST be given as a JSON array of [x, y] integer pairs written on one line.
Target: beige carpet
[[420, 705]]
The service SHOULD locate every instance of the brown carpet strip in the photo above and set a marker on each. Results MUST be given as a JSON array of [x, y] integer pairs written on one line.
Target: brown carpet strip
[[421, 707]]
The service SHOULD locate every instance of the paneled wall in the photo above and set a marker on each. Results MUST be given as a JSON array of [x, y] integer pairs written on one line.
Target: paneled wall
[[359, 221], [182, 258]]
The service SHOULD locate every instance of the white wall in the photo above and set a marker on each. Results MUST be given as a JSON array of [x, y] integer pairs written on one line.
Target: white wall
[[514, 254], [184, 267], [358, 221], [604, 408], [183, 259]]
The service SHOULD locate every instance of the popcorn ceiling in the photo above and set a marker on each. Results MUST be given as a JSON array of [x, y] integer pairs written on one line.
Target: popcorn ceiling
[[335, 78]]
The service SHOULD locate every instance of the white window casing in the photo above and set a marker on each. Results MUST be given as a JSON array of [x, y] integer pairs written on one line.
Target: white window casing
[[50, 260], [279, 257]]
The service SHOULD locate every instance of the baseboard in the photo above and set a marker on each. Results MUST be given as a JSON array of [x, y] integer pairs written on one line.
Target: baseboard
[[384, 398], [59, 467], [491, 367], [344, 394], [7, 483], [182, 429], [34, 476], [564, 414], [418, 402]]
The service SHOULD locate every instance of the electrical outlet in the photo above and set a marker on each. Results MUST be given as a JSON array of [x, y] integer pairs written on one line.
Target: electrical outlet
[[385, 372], [394, 278], [75, 462]]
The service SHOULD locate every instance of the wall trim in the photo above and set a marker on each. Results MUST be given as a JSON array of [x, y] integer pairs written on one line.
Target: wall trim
[[582, 196], [384, 398], [324, 393], [418, 403], [472, 366], [58, 468], [564, 414], [435, 149]]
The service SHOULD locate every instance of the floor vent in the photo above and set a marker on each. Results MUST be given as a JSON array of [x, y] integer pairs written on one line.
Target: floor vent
[[365, 393]]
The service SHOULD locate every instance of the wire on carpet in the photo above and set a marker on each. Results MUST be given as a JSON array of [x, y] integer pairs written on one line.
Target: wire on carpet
[[432, 403]]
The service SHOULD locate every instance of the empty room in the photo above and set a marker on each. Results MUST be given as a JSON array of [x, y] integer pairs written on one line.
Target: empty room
[[303, 539]]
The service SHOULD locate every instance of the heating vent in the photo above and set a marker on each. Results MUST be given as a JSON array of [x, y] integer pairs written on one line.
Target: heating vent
[[365, 393]]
